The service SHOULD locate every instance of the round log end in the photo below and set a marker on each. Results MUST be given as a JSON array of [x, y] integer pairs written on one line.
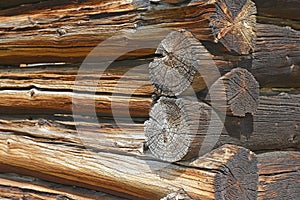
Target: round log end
[[233, 25], [238, 178], [174, 71], [241, 90], [175, 127]]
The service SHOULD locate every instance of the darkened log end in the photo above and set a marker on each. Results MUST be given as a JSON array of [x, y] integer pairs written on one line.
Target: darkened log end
[[174, 128], [233, 25], [174, 72], [241, 90], [238, 179], [178, 195]]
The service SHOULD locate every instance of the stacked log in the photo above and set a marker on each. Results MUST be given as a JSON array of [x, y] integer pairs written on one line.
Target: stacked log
[[43, 45]]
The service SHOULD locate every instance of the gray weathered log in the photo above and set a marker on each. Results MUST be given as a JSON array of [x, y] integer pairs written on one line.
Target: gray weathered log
[[177, 128], [241, 91]]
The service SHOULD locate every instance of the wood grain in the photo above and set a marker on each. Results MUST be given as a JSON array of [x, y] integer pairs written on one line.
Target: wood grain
[[279, 175], [14, 186], [130, 175], [239, 90], [39, 34]]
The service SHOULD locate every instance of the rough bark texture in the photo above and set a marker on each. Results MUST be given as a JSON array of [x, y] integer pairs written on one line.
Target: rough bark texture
[[279, 175], [14, 186], [135, 177]]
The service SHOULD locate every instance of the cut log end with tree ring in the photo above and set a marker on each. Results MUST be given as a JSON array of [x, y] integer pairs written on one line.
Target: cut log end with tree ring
[[238, 178], [175, 71], [241, 90], [176, 127], [233, 25]]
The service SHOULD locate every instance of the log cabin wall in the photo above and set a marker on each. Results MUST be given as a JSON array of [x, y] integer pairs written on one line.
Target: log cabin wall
[[44, 156]]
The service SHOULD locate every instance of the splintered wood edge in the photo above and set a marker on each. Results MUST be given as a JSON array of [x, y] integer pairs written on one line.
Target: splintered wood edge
[[233, 25], [241, 90], [173, 128], [174, 72], [178, 195], [238, 178]]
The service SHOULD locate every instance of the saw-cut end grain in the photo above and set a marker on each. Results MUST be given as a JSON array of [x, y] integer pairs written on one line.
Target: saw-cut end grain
[[241, 91], [238, 177], [175, 71], [233, 25], [176, 127]]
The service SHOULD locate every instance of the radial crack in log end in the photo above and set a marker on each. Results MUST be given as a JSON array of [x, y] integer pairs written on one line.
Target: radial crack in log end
[[241, 90], [176, 128], [233, 25], [238, 178], [179, 66]]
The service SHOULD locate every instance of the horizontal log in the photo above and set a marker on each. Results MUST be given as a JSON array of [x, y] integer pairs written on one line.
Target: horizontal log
[[275, 63], [279, 175], [136, 177], [14, 186], [39, 34], [272, 127], [278, 8], [276, 59]]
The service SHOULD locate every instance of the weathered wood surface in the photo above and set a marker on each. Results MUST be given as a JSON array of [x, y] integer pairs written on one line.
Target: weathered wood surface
[[280, 12], [274, 126], [276, 59], [35, 33], [14, 186], [279, 175], [236, 92], [207, 177], [177, 128]]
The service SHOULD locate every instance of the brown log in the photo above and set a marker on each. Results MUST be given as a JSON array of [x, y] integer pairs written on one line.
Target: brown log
[[272, 127], [239, 90], [14, 186], [35, 33], [276, 59], [278, 8], [279, 175], [276, 64], [208, 177], [280, 12]]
